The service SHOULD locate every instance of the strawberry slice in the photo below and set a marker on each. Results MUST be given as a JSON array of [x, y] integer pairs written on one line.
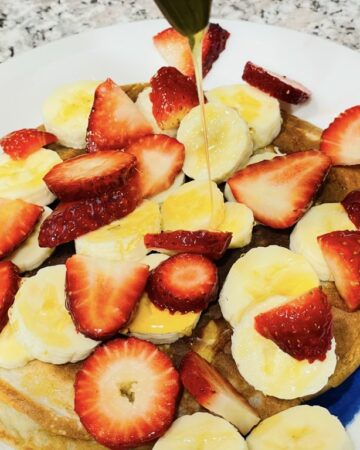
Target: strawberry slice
[[277, 86], [89, 175], [211, 244], [185, 282], [341, 139], [9, 284], [102, 294], [115, 120], [351, 203], [281, 190], [17, 221], [175, 49], [21, 143], [302, 328], [173, 95], [215, 393], [159, 160], [126, 392], [341, 250]]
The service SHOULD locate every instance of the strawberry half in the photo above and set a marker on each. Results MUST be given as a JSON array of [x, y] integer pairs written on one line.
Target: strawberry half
[[115, 120], [126, 392], [302, 328], [172, 95], [89, 175], [9, 284], [21, 143], [184, 283], [277, 86], [351, 203], [280, 191], [341, 250], [159, 160], [102, 294], [215, 393], [341, 140], [211, 244], [17, 221]]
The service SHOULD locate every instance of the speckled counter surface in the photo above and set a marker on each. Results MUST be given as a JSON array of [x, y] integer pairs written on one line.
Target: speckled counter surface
[[25, 24]]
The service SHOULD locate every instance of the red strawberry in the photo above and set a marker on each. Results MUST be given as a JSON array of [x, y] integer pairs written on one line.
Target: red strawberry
[[351, 203], [9, 284], [159, 159], [175, 49], [341, 139], [341, 250], [184, 282], [173, 95], [115, 120], [102, 294], [17, 220], [89, 175], [20, 144], [281, 190], [276, 85], [126, 392], [212, 244], [215, 393], [302, 328]]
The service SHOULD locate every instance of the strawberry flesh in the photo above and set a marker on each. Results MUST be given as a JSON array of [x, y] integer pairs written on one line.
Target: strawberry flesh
[[9, 284], [21, 143], [351, 203]]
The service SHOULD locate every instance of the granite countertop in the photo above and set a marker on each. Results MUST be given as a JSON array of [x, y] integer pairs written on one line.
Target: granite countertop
[[25, 24]]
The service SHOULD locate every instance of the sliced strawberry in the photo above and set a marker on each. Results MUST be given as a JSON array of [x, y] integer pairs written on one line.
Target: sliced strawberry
[[126, 392], [278, 86], [212, 244], [341, 139], [302, 328], [351, 203], [102, 294], [175, 49], [159, 159], [89, 175], [17, 221], [9, 284], [20, 144], [184, 282], [115, 120], [215, 393], [341, 250], [172, 95], [281, 190]]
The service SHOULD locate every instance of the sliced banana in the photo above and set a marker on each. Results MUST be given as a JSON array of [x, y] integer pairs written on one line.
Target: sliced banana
[[266, 155], [229, 196], [262, 273], [123, 239], [260, 111], [201, 431], [302, 427], [320, 219], [23, 178], [239, 219], [66, 112], [162, 196], [229, 139], [13, 353], [41, 321]]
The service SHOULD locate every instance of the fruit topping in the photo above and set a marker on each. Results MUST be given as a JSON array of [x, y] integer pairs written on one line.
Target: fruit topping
[[351, 203], [126, 392], [9, 284], [280, 191], [20, 144], [302, 328]]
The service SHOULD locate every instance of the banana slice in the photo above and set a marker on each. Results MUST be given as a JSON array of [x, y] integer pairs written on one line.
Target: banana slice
[[260, 111], [13, 353], [262, 273], [191, 208], [270, 370], [229, 196], [201, 431], [320, 219], [66, 112], [264, 156], [162, 196], [239, 219], [24, 178], [30, 255], [123, 239], [299, 428], [41, 321], [229, 140]]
